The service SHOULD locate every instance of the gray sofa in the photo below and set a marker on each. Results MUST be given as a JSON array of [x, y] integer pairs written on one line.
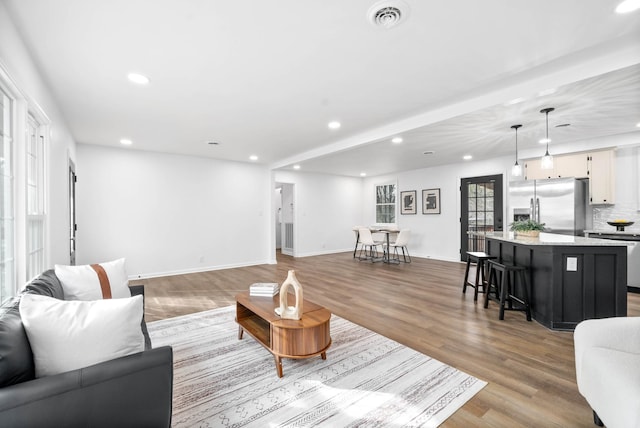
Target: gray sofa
[[131, 391]]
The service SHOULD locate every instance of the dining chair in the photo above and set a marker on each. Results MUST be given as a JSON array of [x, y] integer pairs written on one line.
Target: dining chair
[[368, 244], [401, 242]]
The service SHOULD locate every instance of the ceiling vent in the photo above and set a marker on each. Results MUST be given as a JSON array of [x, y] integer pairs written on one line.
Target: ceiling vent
[[387, 14]]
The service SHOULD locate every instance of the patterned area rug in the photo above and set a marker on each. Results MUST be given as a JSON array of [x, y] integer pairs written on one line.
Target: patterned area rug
[[367, 380]]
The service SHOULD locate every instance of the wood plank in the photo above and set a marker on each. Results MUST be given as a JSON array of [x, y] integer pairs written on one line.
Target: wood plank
[[530, 369]]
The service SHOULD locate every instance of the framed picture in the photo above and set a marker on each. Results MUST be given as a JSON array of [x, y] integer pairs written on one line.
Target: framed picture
[[431, 201], [408, 203]]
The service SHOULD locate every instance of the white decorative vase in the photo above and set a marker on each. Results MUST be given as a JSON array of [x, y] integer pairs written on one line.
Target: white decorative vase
[[290, 312]]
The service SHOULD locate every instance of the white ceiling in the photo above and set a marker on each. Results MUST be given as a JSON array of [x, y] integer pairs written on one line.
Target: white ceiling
[[265, 78]]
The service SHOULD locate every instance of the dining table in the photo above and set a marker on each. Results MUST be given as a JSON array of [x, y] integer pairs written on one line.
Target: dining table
[[386, 253]]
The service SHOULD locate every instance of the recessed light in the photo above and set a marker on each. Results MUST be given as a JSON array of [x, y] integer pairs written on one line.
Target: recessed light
[[638, 125], [363, 174], [138, 78], [544, 140], [334, 125], [296, 167], [547, 92], [253, 157], [126, 142], [515, 101], [397, 140], [628, 6], [467, 157]]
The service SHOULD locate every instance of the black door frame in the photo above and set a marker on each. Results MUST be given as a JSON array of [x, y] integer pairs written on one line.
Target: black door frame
[[468, 243]]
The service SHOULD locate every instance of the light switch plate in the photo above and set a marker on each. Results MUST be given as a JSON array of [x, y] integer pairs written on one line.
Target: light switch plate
[[572, 264]]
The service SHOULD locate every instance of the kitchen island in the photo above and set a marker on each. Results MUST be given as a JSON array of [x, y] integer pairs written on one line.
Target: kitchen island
[[632, 238], [570, 278]]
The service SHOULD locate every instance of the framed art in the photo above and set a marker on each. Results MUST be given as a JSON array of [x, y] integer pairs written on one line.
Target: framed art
[[431, 201], [408, 202]]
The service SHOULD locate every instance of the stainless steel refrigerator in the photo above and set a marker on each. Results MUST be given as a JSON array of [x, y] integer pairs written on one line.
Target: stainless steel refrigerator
[[559, 203]]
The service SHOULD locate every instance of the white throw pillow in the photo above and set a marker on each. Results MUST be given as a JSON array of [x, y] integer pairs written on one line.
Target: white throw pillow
[[68, 335], [85, 283]]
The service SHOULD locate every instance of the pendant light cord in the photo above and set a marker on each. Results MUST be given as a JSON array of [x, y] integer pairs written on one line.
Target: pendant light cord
[[517, 144], [516, 128], [546, 111], [547, 116], [516, 170]]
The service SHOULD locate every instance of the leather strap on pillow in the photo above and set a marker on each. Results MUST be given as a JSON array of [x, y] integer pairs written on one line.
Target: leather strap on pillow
[[105, 286]]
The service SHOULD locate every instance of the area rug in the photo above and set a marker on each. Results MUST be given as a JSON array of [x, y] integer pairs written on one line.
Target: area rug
[[367, 380]]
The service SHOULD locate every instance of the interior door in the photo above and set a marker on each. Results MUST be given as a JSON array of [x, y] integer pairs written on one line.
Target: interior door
[[481, 210], [73, 227]]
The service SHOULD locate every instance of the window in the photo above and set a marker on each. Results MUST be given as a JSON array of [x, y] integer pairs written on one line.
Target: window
[[35, 244], [23, 202], [386, 203], [7, 222]]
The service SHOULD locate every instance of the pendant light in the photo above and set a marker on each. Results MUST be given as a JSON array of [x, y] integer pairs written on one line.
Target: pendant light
[[516, 169], [547, 159]]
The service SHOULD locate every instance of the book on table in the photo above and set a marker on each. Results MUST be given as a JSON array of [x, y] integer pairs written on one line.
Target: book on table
[[268, 289]]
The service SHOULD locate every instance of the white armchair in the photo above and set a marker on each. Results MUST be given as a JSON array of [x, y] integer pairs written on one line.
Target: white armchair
[[608, 369]]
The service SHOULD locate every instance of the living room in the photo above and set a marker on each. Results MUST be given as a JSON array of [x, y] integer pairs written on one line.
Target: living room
[[173, 213]]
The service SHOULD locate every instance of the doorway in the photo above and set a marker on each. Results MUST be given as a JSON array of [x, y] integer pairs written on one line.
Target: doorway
[[481, 210], [285, 218], [73, 227]]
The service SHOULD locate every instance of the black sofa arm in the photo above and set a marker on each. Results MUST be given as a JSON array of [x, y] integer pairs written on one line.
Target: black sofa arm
[[131, 391], [137, 289]]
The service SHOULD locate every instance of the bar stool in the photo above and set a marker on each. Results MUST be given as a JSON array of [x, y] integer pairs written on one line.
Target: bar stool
[[504, 286], [479, 258]]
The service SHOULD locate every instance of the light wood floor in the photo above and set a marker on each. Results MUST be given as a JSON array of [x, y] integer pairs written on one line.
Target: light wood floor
[[529, 369]]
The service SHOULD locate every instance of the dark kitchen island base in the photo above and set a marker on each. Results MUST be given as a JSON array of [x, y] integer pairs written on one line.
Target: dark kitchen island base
[[570, 278]]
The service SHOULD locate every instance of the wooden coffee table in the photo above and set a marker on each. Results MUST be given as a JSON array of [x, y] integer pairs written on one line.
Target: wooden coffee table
[[304, 338]]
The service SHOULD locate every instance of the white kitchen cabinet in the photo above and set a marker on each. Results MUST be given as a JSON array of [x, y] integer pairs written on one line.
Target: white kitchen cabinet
[[597, 166], [572, 165], [601, 177], [533, 170]]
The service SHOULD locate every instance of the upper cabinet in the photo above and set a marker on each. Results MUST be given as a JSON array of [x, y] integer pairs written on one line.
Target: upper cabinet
[[602, 177], [571, 165], [597, 166], [533, 170]]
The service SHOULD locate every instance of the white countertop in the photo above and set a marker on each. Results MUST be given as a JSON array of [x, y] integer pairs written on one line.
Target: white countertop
[[554, 239], [615, 232]]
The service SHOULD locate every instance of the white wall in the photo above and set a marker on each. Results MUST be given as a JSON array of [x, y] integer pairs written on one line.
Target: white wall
[[433, 235], [16, 60], [326, 207], [171, 214]]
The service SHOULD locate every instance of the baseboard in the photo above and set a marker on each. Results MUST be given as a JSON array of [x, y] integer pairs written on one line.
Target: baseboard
[[323, 252], [442, 259], [350, 250], [635, 290], [271, 262], [197, 270]]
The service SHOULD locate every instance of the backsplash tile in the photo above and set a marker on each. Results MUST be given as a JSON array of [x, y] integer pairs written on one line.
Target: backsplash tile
[[626, 211]]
